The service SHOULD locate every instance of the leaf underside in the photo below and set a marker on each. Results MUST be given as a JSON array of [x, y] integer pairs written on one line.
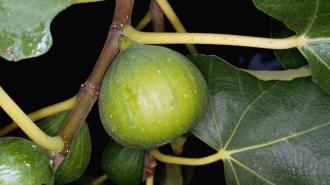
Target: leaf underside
[[276, 132], [309, 19], [25, 27]]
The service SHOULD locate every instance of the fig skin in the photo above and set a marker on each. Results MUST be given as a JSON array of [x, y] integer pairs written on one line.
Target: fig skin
[[23, 162], [150, 95], [75, 164], [123, 165]]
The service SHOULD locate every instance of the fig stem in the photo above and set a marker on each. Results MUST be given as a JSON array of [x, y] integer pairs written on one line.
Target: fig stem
[[100, 180], [189, 161], [89, 90], [177, 145], [144, 21], [42, 113], [214, 39], [175, 21], [27, 125]]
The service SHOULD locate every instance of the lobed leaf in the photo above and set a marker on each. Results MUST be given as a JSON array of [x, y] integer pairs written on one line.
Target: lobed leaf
[[310, 20], [25, 26], [272, 132]]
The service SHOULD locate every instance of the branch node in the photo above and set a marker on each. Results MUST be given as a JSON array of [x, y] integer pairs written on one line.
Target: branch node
[[90, 87]]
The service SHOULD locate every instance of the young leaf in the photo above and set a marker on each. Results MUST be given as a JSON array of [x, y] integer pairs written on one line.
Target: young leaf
[[309, 19], [274, 132]]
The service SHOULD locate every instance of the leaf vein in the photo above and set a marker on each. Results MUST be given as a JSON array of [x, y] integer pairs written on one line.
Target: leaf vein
[[244, 113], [214, 122], [312, 19], [234, 171], [253, 172], [283, 139], [319, 39], [318, 57]]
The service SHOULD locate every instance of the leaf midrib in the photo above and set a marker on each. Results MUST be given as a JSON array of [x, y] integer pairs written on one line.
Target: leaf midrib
[[284, 139], [253, 172], [213, 111], [254, 147], [312, 19], [245, 112], [317, 56], [234, 171]]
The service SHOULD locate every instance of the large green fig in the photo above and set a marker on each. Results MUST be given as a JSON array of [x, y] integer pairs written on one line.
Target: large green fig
[[77, 161], [150, 95], [123, 165], [23, 162]]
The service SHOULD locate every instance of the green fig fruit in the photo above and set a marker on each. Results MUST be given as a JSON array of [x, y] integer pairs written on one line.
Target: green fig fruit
[[150, 95], [123, 165], [75, 164], [23, 162]]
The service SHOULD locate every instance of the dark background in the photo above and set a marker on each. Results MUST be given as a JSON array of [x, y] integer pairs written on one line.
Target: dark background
[[78, 36]]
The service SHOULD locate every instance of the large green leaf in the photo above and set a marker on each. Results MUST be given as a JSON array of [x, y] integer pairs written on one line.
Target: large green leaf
[[310, 20], [274, 132], [25, 26]]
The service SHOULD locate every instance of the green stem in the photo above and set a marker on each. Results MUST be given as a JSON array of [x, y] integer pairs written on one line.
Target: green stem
[[283, 75], [27, 125], [144, 21], [42, 113], [100, 180], [189, 161], [215, 39], [175, 21], [150, 180]]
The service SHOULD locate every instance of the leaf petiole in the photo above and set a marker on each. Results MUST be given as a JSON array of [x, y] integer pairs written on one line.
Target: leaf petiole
[[144, 21], [150, 180], [214, 39], [42, 113], [27, 125], [100, 180], [222, 154], [175, 21]]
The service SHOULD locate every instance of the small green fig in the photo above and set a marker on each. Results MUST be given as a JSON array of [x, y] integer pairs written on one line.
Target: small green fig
[[151, 95], [123, 165], [23, 162], [75, 164]]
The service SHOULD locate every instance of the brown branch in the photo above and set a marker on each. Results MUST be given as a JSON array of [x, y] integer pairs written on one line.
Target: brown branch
[[157, 17], [149, 166], [89, 91]]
